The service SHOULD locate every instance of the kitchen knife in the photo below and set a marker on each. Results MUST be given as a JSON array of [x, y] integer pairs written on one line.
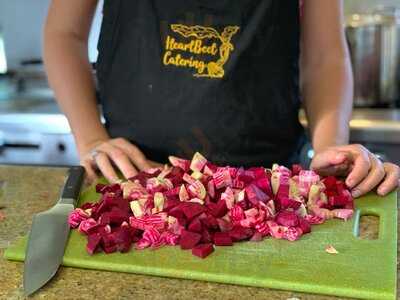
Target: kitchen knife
[[49, 235]]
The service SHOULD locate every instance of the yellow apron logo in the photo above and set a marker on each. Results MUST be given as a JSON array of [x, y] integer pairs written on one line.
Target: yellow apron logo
[[213, 69]]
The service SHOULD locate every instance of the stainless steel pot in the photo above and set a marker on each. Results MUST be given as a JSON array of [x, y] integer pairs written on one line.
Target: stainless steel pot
[[374, 41]]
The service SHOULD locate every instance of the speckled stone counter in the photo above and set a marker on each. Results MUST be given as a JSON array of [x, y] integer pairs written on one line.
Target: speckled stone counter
[[25, 191]]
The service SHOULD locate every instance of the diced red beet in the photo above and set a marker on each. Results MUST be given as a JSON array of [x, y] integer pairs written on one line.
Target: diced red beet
[[93, 243], [240, 233], [224, 226], [314, 220], [190, 209], [88, 226], [233, 204], [264, 184], [170, 204], [296, 169], [110, 249], [222, 239], [203, 250], [287, 218], [258, 172], [237, 213], [117, 216], [189, 239], [222, 178], [143, 176], [338, 201], [304, 225], [175, 176], [195, 225], [246, 177], [329, 182], [342, 213], [286, 202], [206, 236], [104, 219], [123, 238], [99, 187], [257, 237], [255, 194], [292, 234], [210, 222], [218, 209], [76, 217]]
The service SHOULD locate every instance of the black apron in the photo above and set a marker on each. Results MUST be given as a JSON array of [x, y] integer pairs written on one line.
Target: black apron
[[215, 76]]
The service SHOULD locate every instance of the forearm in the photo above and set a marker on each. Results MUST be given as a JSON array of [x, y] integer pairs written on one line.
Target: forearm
[[70, 77], [327, 88]]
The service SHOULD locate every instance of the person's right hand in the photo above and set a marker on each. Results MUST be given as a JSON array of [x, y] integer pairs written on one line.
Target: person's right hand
[[106, 155]]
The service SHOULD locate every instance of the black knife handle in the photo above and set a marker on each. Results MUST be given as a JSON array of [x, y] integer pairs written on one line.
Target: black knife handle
[[73, 183]]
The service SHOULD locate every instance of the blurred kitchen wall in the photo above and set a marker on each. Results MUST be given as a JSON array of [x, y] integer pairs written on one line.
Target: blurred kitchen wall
[[355, 6], [22, 23]]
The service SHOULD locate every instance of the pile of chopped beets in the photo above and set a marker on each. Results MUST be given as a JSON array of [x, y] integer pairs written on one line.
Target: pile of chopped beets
[[196, 204]]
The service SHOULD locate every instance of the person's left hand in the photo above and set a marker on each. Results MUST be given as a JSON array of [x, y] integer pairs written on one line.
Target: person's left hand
[[363, 170]]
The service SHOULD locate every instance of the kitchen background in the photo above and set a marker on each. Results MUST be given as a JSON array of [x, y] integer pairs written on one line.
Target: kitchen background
[[32, 130]]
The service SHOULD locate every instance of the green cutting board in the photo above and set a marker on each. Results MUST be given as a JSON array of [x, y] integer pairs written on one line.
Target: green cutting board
[[362, 269]]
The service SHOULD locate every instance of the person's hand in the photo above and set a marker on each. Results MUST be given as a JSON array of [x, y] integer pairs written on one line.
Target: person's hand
[[110, 154], [363, 170]]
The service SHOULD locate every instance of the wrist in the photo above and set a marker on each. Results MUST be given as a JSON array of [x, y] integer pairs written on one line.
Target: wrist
[[84, 146]]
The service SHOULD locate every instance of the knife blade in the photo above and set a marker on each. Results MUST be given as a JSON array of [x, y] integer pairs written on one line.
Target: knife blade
[[49, 234]]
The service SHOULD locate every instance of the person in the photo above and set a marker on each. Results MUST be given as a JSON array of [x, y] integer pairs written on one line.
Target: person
[[226, 78]]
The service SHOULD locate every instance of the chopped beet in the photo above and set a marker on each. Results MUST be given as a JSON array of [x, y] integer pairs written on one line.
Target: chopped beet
[[190, 210], [224, 225], [175, 176], [240, 233], [171, 203], [255, 194], [222, 178], [196, 203], [210, 222], [117, 216], [110, 249], [93, 243], [222, 239], [198, 162], [304, 225], [296, 169], [287, 218], [189, 239], [195, 225], [100, 187], [265, 185], [203, 250], [206, 236], [104, 219], [338, 201], [218, 209], [286, 202], [257, 237]]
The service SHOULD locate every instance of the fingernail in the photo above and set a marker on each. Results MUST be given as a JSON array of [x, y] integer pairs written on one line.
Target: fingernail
[[356, 193], [382, 191], [350, 182], [339, 156]]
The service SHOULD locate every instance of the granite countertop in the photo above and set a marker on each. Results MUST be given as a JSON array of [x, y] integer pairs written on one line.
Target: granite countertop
[[25, 191]]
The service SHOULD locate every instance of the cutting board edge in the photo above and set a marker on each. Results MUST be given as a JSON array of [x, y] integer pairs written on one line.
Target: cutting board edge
[[242, 281]]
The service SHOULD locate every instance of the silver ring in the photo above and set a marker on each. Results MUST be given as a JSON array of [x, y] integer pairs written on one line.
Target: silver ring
[[93, 153]]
